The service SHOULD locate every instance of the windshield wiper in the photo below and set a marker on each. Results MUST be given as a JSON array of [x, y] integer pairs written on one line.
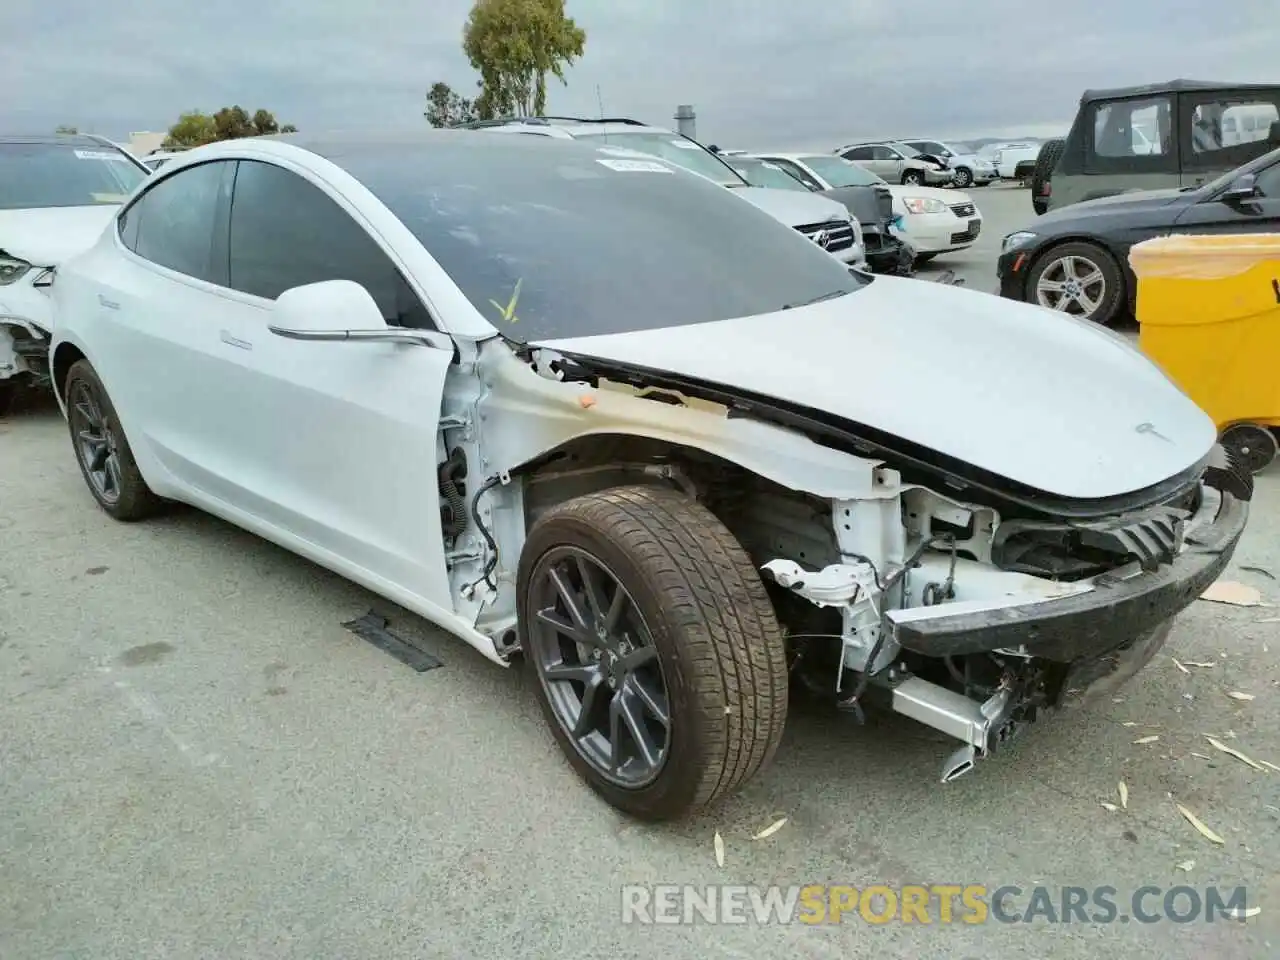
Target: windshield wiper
[[818, 299]]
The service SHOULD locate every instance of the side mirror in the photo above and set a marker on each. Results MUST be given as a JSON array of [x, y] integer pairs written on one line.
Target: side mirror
[[341, 310], [1243, 187]]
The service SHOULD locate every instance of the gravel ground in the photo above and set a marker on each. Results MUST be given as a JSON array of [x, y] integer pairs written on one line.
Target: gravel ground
[[197, 760]]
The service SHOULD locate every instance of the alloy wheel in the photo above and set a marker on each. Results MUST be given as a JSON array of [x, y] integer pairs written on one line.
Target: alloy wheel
[[595, 658], [962, 178], [912, 179], [95, 442], [1072, 284]]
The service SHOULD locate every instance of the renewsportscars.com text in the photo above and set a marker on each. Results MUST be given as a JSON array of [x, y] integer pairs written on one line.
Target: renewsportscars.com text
[[816, 904]]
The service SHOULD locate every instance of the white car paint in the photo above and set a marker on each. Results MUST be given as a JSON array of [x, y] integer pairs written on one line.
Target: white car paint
[[330, 446], [961, 353], [43, 238], [927, 216]]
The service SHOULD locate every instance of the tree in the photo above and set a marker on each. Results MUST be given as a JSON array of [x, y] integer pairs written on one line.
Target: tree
[[514, 44], [194, 128], [66, 130], [233, 123], [264, 123], [446, 107]]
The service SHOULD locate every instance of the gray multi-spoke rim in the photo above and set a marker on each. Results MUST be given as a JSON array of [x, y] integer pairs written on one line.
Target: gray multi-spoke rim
[[962, 178], [597, 663], [95, 442], [1072, 284], [911, 178]]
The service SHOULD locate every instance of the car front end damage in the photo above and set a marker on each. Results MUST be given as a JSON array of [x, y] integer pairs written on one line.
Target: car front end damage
[[900, 579], [974, 624]]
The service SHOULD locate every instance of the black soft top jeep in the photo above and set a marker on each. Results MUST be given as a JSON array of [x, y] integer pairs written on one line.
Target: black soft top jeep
[[1182, 133]]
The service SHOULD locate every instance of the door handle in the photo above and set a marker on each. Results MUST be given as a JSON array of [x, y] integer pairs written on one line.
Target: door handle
[[109, 304], [232, 341]]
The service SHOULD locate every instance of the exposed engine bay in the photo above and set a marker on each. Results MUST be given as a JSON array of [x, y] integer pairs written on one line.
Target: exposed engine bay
[[970, 610]]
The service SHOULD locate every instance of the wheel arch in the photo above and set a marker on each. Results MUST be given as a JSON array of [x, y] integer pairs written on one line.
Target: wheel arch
[[1090, 238], [65, 354]]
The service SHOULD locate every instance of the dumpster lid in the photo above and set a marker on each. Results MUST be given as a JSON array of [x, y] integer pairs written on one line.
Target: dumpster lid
[[1191, 257]]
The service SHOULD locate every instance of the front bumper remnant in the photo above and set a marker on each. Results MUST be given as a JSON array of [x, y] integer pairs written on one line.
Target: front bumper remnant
[[1093, 641]]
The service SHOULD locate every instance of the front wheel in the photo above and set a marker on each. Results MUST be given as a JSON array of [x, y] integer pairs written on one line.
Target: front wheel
[[102, 450], [963, 178], [659, 662], [1080, 279], [911, 179]]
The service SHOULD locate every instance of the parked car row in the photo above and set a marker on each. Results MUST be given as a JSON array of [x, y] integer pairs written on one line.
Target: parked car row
[[1105, 188], [580, 407]]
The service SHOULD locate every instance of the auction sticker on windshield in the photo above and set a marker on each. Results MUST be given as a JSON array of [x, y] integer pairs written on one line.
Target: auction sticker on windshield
[[685, 145], [636, 166], [95, 155]]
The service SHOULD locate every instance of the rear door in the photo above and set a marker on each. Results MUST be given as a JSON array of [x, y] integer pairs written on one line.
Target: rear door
[[1224, 129]]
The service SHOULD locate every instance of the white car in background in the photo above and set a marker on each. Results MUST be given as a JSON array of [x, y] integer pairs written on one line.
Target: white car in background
[[826, 222], [57, 193], [968, 169], [931, 219], [1008, 157]]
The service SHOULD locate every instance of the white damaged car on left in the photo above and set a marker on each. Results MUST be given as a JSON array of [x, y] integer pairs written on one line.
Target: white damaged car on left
[[57, 193], [611, 420]]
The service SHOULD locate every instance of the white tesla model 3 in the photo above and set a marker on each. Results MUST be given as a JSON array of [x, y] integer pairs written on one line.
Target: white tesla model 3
[[594, 409]]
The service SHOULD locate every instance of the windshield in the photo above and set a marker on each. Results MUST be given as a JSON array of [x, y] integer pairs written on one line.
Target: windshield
[[841, 173], [36, 175], [676, 149], [552, 238], [761, 173]]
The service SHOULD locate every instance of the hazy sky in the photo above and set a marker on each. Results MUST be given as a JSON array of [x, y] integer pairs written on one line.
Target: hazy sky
[[760, 74]]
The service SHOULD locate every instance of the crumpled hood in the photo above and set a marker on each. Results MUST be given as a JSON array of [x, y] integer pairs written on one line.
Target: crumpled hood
[[47, 237], [1011, 388], [862, 202], [791, 206]]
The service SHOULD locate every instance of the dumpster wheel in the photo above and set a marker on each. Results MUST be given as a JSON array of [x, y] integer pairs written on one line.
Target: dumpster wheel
[[1253, 444]]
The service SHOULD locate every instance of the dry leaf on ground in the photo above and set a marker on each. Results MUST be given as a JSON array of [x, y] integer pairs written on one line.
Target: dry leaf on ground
[[719, 845], [1151, 739], [1124, 795], [771, 829], [1232, 752], [1195, 821], [1244, 697]]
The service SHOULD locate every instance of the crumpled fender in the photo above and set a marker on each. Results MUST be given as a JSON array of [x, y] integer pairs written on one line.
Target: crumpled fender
[[530, 413]]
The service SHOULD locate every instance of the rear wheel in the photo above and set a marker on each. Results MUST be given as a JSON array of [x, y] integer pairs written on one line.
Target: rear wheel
[[1080, 279], [7, 391], [659, 661], [102, 450], [1252, 444]]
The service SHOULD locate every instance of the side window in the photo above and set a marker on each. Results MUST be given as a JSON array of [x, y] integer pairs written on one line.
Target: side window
[[884, 153], [173, 224], [286, 232], [795, 171], [1215, 126], [857, 153], [1132, 128]]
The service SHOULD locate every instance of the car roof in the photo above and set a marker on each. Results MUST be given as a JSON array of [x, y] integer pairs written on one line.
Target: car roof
[[569, 126], [69, 139], [1171, 86]]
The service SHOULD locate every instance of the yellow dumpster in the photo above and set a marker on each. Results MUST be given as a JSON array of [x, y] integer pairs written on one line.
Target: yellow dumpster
[[1209, 312]]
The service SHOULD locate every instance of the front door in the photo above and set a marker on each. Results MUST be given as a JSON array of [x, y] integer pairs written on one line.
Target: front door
[[333, 442], [1261, 214]]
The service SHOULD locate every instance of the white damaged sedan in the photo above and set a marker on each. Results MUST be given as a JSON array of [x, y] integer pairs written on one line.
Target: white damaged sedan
[[612, 420]]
